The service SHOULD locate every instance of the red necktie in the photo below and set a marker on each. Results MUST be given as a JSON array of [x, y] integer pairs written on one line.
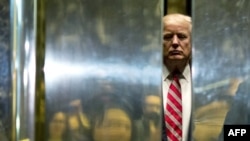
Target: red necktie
[[173, 115]]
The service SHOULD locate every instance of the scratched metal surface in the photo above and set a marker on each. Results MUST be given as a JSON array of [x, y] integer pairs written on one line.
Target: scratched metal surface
[[220, 63], [5, 72], [95, 47]]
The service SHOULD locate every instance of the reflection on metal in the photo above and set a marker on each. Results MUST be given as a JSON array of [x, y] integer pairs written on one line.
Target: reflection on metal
[[23, 31], [220, 64], [5, 71], [40, 96], [98, 48]]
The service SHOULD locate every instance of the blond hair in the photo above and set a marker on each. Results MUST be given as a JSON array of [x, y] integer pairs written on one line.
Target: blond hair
[[178, 18]]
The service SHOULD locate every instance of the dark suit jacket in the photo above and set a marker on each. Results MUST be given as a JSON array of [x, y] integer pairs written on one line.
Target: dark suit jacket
[[239, 112]]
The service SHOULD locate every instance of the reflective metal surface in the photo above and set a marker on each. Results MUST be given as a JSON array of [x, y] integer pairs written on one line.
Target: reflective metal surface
[[23, 59], [5, 71], [220, 64], [102, 58]]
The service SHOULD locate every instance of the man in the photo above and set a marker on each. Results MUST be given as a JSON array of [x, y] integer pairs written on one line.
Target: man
[[239, 112], [148, 125], [151, 112], [176, 58]]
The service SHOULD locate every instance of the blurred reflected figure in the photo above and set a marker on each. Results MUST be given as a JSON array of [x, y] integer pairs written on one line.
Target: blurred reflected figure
[[210, 117], [79, 125], [152, 110], [111, 119], [115, 126], [2, 132], [58, 127], [149, 125], [239, 112]]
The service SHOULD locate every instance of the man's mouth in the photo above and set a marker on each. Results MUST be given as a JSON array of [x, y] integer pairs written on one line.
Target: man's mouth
[[175, 52]]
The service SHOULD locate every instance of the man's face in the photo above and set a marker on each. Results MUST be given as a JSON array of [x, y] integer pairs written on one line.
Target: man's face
[[176, 41], [152, 107], [116, 126], [58, 125]]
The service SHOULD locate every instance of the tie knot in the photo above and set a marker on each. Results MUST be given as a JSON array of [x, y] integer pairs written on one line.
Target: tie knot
[[175, 74], [176, 78]]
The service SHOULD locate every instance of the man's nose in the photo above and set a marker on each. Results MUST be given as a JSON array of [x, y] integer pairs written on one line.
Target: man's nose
[[175, 41]]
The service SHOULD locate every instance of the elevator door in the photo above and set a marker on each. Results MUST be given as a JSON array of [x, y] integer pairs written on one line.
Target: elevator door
[[5, 71], [102, 58], [220, 65]]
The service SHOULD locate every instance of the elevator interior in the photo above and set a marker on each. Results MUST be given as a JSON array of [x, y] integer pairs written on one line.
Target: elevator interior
[[60, 62]]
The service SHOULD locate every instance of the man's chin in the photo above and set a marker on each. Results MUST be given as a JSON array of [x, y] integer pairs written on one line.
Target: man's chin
[[176, 58]]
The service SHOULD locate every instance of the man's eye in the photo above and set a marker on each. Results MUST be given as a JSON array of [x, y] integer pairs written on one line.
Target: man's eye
[[168, 37], [182, 36]]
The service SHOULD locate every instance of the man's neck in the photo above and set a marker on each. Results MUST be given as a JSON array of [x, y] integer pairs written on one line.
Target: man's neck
[[176, 65]]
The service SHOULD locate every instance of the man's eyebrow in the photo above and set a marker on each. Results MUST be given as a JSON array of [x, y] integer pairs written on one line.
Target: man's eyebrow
[[184, 32], [168, 33]]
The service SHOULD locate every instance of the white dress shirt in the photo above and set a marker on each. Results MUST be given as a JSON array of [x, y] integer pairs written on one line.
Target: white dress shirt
[[186, 91]]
